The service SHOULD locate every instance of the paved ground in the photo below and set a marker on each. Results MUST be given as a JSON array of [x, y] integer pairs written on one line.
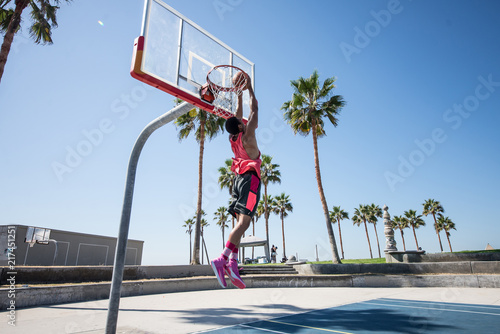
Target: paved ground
[[215, 310]]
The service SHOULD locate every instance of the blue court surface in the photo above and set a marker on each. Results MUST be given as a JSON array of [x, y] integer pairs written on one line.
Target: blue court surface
[[381, 316]]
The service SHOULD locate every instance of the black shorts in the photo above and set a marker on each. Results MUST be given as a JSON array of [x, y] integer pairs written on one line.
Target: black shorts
[[246, 194]]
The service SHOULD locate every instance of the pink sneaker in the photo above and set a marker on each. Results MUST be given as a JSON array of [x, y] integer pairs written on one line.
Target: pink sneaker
[[234, 275], [218, 266]]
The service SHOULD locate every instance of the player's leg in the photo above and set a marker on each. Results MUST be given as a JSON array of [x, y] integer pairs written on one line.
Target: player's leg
[[242, 225], [235, 238], [229, 256], [219, 264]]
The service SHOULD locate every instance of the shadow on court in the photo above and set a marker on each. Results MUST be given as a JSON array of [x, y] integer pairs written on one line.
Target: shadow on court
[[371, 319], [211, 316], [368, 320]]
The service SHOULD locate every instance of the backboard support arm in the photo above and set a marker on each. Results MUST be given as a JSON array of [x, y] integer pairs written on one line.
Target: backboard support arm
[[121, 246]]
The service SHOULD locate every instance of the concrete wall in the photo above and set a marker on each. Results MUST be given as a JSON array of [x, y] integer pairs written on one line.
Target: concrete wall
[[420, 256], [449, 257], [73, 249], [465, 267]]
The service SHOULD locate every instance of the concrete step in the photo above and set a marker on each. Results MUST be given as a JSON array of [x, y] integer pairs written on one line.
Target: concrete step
[[268, 270]]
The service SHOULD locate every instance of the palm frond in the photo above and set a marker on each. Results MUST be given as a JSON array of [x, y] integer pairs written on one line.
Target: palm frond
[[44, 18], [310, 104], [6, 17], [269, 172]]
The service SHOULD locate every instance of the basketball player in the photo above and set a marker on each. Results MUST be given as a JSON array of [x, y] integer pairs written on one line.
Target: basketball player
[[246, 188]]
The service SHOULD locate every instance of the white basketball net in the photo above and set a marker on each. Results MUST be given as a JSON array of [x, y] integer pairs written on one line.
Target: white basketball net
[[220, 81]]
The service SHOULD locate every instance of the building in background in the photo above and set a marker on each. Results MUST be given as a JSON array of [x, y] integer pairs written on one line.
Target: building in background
[[39, 246]]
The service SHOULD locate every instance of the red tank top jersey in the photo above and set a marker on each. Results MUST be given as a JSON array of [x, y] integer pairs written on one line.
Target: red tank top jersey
[[241, 161]]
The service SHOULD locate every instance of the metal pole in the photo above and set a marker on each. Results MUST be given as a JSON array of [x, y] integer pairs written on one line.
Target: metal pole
[[55, 253], [206, 251], [121, 246]]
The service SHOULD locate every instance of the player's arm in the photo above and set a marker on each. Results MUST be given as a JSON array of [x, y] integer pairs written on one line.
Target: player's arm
[[253, 118], [239, 109]]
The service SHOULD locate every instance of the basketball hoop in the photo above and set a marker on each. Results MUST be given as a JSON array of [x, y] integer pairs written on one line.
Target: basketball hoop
[[225, 89]]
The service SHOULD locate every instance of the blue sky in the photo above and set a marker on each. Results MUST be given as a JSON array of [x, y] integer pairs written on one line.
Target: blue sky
[[422, 84]]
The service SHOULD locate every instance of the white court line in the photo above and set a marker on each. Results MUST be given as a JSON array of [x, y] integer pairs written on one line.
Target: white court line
[[262, 329], [315, 328], [431, 308], [442, 303], [242, 325]]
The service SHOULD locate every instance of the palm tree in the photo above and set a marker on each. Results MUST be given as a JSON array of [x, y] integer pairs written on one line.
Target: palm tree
[[361, 215], [336, 215], [43, 16], [305, 112], [448, 225], [204, 125], [226, 179], [438, 227], [375, 211], [415, 221], [189, 224], [281, 205], [261, 211], [400, 223], [269, 173], [221, 216], [203, 224], [258, 213], [435, 208]]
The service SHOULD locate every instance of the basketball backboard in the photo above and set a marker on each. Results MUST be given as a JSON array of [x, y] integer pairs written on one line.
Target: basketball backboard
[[37, 235], [174, 55]]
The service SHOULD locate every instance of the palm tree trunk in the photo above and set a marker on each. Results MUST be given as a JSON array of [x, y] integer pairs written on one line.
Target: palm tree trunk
[[223, 243], [197, 231], [439, 238], [449, 243], [11, 31], [437, 232], [333, 244], [340, 237], [402, 237], [415, 235], [283, 234], [205, 247], [190, 248], [202, 253], [368, 238], [266, 216], [376, 235], [253, 232]]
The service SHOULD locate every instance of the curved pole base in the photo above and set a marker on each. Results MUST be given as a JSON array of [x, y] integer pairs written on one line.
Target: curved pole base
[[121, 246]]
